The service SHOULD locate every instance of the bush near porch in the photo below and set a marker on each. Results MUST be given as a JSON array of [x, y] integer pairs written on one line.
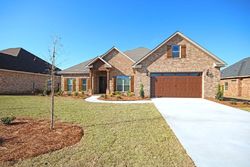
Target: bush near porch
[[122, 96]]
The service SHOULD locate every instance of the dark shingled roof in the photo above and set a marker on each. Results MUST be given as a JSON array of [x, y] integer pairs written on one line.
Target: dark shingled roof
[[19, 59], [135, 54], [241, 68], [77, 69]]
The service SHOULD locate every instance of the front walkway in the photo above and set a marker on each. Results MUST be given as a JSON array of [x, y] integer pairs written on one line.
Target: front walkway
[[94, 99], [214, 135]]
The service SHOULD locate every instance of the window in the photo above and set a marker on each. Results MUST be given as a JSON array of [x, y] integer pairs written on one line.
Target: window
[[122, 83], [70, 84], [175, 51], [84, 84], [226, 86]]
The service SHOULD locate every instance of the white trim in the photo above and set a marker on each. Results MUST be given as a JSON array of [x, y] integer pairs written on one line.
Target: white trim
[[105, 62], [99, 59], [119, 52], [218, 65], [124, 55], [188, 39], [102, 56]]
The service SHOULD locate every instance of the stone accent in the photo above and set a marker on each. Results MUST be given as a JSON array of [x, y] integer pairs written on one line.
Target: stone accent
[[237, 87], [18, 82], [196, 60]]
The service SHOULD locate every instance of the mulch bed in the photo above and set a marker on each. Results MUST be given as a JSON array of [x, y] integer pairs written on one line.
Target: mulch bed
[[123, 98], [26, 138], [239, 104]]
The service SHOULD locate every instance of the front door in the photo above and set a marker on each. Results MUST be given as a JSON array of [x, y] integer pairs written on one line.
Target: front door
[[102, 84]]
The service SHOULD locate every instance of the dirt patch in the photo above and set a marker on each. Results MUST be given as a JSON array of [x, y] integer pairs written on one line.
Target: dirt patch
[[237, 104], [26, 138]]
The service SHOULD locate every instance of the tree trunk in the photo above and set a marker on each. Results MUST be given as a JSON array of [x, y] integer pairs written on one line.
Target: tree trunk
[[52, 87]]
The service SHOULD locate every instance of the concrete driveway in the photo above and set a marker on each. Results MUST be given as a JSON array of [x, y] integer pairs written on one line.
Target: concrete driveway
[[214, 135]]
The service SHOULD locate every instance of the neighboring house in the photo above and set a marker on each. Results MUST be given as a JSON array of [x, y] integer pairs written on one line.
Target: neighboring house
[[236, 79], [21, 72], [178, 67]]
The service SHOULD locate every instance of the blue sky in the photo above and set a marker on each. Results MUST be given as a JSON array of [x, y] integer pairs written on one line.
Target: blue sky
[[89, 28]]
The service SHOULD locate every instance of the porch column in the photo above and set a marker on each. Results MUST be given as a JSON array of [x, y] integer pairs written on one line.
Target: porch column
[[93, 82], [108, 87], [90, 80]]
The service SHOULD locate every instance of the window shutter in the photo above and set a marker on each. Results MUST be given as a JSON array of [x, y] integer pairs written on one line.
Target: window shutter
[[80, 84], [132, 84], [88, 84], [183, 51], [65, 84], [114, 83], [169, 51], [74, 84]]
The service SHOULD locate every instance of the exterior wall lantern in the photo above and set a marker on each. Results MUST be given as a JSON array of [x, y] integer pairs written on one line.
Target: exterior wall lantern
[[209, 74]]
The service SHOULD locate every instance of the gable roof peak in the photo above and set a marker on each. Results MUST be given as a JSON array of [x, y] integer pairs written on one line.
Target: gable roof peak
[[12, 51], [220, 63], [114, 47]]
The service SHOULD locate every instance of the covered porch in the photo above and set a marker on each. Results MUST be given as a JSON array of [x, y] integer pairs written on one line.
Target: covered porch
[[99, 76]]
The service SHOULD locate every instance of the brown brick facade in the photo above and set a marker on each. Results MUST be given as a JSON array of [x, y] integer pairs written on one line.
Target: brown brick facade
[[195, 61], [121, 66], [17, 82], [77, 78], [237, 87]]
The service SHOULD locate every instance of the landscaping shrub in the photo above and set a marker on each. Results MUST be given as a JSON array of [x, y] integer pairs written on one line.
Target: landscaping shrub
[[104, 96], [118, 97], [76, 94], [233, 102], [69, 93], [117, 93], [128, 93], [7, 120], [59, 93], [220, 93], [38, 92], [142, 91], [246, 102]]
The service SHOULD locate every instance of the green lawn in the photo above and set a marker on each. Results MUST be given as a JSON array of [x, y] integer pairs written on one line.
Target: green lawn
[[114, 134]]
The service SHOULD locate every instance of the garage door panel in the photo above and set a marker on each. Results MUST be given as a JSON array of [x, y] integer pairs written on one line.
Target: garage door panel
[[176, 86]]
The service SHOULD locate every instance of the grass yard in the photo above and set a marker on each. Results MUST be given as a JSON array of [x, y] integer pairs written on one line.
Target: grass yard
[[114, 134]]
